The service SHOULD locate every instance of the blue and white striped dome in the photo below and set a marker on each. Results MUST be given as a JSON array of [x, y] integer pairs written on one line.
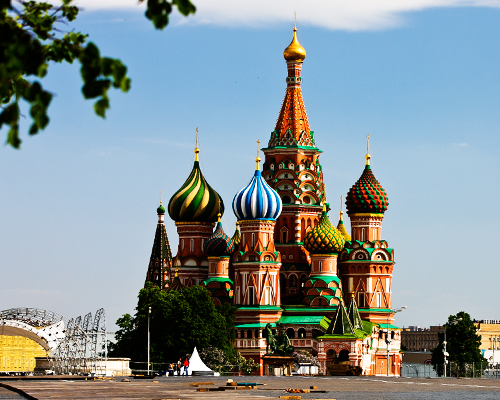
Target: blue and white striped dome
[[257, 200]]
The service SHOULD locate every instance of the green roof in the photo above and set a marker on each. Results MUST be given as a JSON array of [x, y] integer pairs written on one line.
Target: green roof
[[217, 279], [388, 326], [259, 308], [302, 319], [249, 326]]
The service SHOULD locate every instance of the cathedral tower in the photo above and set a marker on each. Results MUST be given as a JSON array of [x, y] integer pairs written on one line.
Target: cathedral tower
[[366, 264], [160, 262], [257, 262], [219, 248], [194, 208], [292, 168]]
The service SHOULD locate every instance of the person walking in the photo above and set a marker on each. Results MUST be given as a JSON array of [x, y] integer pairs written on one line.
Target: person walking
[[186, 366], [179, 367]]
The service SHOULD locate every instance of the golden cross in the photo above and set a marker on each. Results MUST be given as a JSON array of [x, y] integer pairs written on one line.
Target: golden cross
[[295, 19], [196, 136], [340, 203], [367, 144], [161, 196], [258, 142]]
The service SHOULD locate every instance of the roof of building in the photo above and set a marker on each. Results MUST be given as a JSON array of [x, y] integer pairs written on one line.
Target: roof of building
[[257, 200], [195, 201], [219, 244], [367, 195], [324, 238]]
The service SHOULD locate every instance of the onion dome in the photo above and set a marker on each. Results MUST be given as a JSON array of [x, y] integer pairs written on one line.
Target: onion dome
[[176, 282], [294, 52], [160, 210], [340, 225], [219, 244], [257, 200], [324, 238], [367, 195], [237, 236], [195, 201]]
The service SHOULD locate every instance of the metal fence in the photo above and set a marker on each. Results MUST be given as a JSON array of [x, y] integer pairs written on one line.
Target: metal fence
[[453, 370]]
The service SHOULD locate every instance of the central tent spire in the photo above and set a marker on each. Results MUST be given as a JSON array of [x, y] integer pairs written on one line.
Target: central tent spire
[[292, 128]]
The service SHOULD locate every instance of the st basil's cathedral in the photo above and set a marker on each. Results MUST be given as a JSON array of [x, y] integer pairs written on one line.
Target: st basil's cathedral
[[286, 263]]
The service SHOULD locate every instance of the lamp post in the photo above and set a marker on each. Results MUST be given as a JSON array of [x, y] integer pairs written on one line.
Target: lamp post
[[387, 340], [149, 314], [445, 353]]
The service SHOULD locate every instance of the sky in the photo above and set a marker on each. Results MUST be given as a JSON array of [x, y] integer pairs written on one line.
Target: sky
[[78, 201]]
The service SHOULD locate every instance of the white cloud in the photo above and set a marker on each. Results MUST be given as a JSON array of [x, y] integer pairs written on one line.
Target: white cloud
[[329, 14]]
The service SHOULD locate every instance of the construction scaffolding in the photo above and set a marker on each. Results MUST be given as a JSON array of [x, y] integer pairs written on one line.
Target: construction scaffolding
[[72, 346]]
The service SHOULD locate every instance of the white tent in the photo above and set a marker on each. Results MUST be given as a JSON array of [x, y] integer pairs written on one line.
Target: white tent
[[197, 366]]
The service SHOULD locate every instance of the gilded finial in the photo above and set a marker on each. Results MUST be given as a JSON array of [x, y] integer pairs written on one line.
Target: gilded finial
[[341, 206], [294, 52], [324, 207], [161, 197], [219, 214], [176, 272], [196, 150], [367, 150], [257, 160]]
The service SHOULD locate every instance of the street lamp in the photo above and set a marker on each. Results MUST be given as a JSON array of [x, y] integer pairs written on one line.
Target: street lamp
[[149, 314], [445, 353], [387, 340]]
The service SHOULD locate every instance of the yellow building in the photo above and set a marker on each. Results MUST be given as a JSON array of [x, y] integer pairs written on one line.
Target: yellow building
[[18, 353], [489, 330]]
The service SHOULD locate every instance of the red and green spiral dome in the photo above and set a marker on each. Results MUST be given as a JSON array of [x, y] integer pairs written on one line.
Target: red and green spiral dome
[[367, 195]]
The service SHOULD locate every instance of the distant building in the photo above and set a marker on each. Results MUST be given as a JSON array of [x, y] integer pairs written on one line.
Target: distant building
[[415, 338], [489, 330]]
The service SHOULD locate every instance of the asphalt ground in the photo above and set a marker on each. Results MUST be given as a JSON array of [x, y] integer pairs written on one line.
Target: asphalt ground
[[339, 388]]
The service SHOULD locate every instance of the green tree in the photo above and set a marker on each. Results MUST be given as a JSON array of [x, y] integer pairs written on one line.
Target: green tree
[[179, 321], [462, 344], [31, 39]]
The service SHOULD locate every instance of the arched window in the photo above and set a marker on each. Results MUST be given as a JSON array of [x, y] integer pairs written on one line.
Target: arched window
[[286, 200], [293, 281], [191, 245], [290, 332], [302, 333], [343, 355], [284, 236], [249, 334]]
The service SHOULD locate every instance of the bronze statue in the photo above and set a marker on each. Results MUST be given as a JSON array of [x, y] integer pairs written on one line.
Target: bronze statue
[[279, 344]]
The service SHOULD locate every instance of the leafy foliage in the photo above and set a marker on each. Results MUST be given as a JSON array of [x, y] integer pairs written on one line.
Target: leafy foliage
[[158, 10], [462, 343], [179, 321], [31, 40]]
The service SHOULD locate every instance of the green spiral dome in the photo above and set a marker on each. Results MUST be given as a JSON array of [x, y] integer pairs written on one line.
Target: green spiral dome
[[324, 238], [195, 201]]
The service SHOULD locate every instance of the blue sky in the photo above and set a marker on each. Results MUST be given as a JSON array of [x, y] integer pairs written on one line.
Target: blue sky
[[78, 201]]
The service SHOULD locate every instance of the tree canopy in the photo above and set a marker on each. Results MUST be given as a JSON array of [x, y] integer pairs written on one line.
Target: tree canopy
[[32, 38], [179, 321], [462, 343]]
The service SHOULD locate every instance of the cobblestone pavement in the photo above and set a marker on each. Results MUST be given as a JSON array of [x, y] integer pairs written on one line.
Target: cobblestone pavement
[[339, 388]]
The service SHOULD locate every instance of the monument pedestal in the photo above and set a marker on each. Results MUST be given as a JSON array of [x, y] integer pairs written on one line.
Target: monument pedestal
[[277, 365]]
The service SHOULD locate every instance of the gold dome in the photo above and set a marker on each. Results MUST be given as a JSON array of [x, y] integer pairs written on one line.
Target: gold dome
[[294, 52]]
